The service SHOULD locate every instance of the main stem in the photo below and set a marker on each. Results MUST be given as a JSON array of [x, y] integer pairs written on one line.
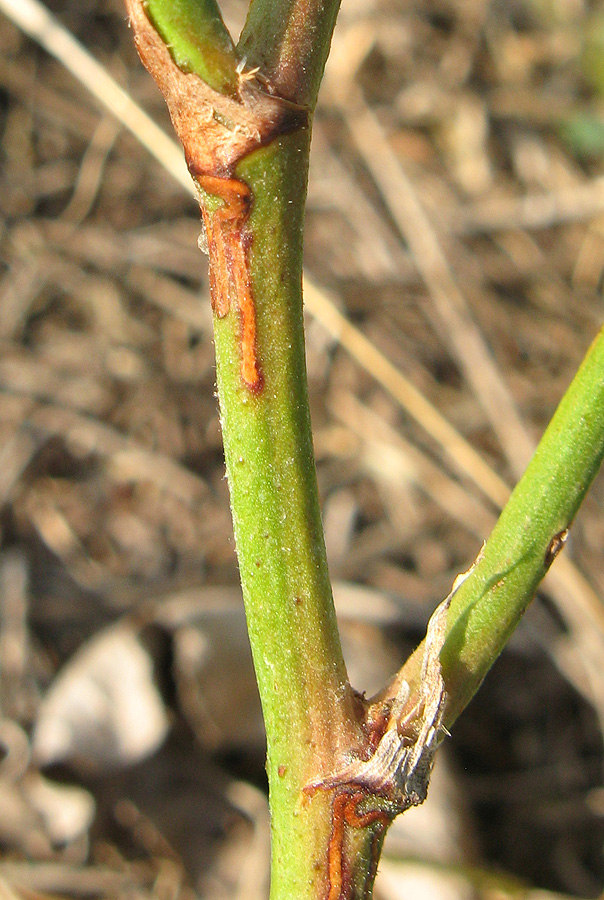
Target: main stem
[[306, 698]]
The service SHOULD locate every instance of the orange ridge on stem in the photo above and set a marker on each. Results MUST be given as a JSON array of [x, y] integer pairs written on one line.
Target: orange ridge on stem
[[345, 807], [229, 266]]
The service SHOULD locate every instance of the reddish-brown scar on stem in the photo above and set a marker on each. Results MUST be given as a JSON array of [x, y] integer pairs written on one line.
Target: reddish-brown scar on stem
[[229, 265]]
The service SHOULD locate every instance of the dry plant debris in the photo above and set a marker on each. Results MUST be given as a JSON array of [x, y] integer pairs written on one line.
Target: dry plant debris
[[478, 277]]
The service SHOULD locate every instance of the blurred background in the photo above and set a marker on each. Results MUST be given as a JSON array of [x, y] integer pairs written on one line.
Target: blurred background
[[456, 219]]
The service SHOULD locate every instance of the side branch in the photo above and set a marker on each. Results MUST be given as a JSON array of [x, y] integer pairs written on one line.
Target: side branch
[[529, 534]]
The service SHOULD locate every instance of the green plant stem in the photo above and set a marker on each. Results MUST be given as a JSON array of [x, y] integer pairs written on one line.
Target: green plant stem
[[289, 41], [488, 605], [307, 702], [199, 40]]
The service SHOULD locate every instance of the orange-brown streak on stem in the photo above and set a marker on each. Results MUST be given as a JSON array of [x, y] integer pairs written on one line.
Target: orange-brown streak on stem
[[250, 370], [345, 812], [219, 287], [336, 846], [229, 263]]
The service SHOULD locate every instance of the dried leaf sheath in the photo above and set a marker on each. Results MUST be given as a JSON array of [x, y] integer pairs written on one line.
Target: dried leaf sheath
[[215, 130], [367, 794]]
